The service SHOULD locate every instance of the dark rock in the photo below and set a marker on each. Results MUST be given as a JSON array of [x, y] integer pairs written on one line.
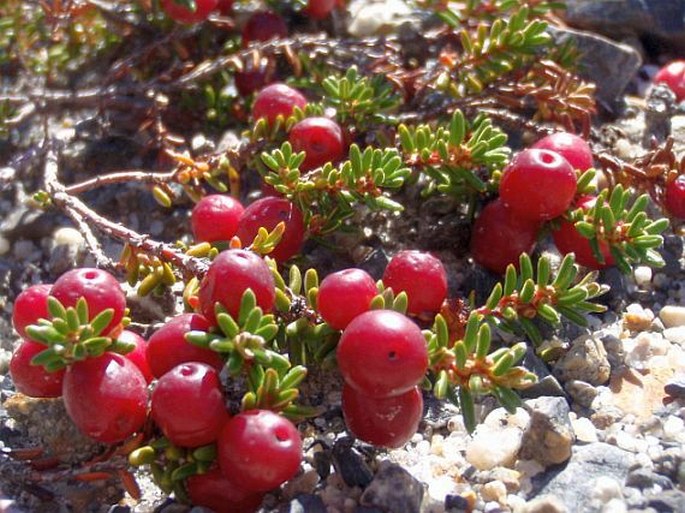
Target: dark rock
[[393, 490], [26, 223], [350, 464], [573, 483], [549, 436], [376, 261], [365, 509], [669, 501], [456, 504], [617, 296], [610, 65], [642, 478], [119, 509], [667, 464], [547, 384], [304, 503], [676, 387]]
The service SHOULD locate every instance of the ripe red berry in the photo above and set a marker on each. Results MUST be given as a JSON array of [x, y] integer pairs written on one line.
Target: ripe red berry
[[673, 75], [106, 397], [231, 273], [321, 139], [386, 422], [212, 490], [188, 405], [538, 185], [259, 450], [225, 7], [674, 199], [182, 14], [320, 9], [568, 240], [34, 380], [421, 276], [100, 289], [168, 347], [277, 100], [344, 295], [267, 212], [382, 353], [572, 147], [263, 26], [138, 356], [499, 237], [31, 304], [215, 218]]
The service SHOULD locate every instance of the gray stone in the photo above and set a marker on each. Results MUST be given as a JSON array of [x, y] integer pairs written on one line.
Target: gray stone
[[393, 490], [643, 478], [304, 503], [586, 360], [610, 65], [549, 436], [670, 501], [581, 392], [660, 107], [573, 484], [547, 385], [350, 464]]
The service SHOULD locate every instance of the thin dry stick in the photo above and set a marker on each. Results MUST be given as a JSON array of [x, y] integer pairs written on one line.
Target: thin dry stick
[[131, 175]]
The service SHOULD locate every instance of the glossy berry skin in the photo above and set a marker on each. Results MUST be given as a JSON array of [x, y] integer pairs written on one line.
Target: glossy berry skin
[[100, 289], [499, 237], [573, 148], [138, 356], [212, 490], [267, 212], [568, 240], [215, 218], [538, 185], [674, 199], [673, 75], [31, 304], [259, 450], [421, 276], [106, 397], [320, 9], [322, 140], [231, 273], [344, 295], [263, 26], [224, 7], [188, 405], [386, 422], [181, 14], [167, 347], [382, 353], [34, 380], [277, 100]]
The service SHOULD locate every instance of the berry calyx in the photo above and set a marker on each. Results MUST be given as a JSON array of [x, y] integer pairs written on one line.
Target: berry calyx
[[263, 26], [34, 380], [674, 199], [344, 295], [570, 146], [421, 276], [538, 185], [673, 75], [320, 138], [382, 353], [277, 100], [215, 218], [267, 212], [31, 304], [182, 14]]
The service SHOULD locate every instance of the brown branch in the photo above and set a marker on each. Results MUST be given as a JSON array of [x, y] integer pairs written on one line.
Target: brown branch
[[131, 175]]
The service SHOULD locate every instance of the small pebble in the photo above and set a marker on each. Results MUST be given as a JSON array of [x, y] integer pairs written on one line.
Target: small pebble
[[643, 275], [494, 491], [585, 430], [672, 315], [605, 489]]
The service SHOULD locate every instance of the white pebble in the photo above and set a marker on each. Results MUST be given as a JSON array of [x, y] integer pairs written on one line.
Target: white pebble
[[585, 430], [676, 335], [4, 246], [497, 440], [643, 275], [67, 236], [494, 491], [672, 315], [615, 506], [673, 428], [605, 489]]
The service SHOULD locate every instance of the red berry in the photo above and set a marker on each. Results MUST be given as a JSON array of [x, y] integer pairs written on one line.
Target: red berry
[[106, 397], [263, 26], [499, 237], [573, 148], [34, 380], [386, 422], [277, 100], [168, 347], [568, 240], [259, 450], [231, 273], [31, 304], [138, 355], [188, 405], [674, 199], [344, 295], [320, 9], [253, 79], [321, 139], [382, 353], [538, 185], [225, 7], [182, 14], [673, 75], [212, 490], [267, 212], [100, 289], [215, 218], [421, 276]]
